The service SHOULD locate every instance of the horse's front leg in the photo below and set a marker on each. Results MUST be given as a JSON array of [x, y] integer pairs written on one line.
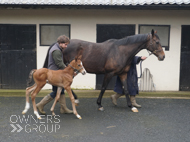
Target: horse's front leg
[[68, 89], [56, 99], [123, 79], [107, 79]]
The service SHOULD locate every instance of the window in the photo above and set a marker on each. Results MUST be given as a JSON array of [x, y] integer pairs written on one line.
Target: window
[[163, 32], [50, 33]]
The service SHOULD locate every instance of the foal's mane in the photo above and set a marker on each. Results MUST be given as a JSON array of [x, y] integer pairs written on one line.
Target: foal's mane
[[132, 39]]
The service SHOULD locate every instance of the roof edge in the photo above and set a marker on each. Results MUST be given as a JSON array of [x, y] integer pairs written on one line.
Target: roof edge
[[117, 7]]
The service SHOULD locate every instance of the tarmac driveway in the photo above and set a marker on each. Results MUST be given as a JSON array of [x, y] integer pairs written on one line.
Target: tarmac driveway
[[159, 120]]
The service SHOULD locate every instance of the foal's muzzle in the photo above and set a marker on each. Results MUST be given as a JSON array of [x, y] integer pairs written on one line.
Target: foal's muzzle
[[83, 72]]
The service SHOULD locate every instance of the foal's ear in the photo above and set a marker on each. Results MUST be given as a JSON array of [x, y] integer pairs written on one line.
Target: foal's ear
[[78, 57], [152, 32], [79, 53]]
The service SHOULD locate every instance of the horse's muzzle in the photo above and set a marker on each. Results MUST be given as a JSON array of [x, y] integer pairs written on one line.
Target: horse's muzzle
[[161, 57]]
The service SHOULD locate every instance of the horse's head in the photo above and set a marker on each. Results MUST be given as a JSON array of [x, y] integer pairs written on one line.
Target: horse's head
[[155, 46]]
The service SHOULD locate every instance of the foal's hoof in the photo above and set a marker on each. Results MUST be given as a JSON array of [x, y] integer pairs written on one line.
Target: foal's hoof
[[53, 113], [101, 109], [78, 116], [77, 102], [134, 109], [23, 112], [39, 118]]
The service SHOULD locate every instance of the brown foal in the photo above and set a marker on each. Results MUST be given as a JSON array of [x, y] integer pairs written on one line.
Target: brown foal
[[59, 78]]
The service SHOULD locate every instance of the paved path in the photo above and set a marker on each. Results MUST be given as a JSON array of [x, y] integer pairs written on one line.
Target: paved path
[[159, 120]]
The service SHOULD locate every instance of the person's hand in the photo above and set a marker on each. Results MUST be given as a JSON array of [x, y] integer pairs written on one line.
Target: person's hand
[[143, 57]]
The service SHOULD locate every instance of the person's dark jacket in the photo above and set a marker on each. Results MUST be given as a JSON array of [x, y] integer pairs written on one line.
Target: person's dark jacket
[[54, 58]]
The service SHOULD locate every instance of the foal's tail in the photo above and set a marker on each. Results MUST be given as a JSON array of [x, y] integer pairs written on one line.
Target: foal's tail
[[30, 77]]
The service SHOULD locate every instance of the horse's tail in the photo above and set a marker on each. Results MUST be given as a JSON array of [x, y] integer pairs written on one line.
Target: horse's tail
[[30, 77]]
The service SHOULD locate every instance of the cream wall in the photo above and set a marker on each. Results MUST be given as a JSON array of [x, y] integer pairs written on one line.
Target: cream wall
[[83, 26]]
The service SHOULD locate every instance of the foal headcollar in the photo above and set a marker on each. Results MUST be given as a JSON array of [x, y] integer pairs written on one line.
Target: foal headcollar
[[76, 70]]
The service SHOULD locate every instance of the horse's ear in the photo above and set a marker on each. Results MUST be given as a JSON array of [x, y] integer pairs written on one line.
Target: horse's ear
[[152, 32]]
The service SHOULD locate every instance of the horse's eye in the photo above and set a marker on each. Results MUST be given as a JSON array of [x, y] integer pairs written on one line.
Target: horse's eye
[[157, 42], [79, 65]]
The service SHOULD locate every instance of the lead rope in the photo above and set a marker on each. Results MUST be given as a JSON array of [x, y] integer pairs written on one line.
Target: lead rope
[[150, 53], [140, 68]]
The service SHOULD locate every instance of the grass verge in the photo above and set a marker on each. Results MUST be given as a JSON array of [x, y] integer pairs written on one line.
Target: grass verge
[[95, 93]]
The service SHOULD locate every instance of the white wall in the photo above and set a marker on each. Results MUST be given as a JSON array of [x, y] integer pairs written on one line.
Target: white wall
[[83, 26]]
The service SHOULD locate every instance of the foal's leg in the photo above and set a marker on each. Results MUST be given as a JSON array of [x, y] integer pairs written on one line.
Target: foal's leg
[[76, 98], [56, 99], [33, 96], [123, 79], [107, 79], [28, 91], [68, 89]]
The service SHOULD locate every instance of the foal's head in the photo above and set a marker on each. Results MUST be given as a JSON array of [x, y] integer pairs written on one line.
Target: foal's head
[[154, 46], [76, 64]]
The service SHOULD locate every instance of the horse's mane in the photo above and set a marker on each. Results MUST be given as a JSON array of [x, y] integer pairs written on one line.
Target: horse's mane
[[132, 39]]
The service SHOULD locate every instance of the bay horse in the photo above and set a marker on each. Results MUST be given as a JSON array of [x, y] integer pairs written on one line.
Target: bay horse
[[113, 57], [59, 78]]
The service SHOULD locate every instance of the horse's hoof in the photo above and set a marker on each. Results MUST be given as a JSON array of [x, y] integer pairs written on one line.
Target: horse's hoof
[[23, 112], [53, 113], [101, 109], [39, 118], [134, 109]]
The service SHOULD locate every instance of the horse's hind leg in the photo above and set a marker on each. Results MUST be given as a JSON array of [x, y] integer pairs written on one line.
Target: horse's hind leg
[[56, 99], [28, 91], [123, 79], [107, 79]]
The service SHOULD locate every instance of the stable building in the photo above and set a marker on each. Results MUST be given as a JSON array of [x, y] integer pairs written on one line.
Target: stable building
[[28, 28]]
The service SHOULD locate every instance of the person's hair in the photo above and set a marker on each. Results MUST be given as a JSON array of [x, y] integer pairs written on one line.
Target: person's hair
[[63, 39]]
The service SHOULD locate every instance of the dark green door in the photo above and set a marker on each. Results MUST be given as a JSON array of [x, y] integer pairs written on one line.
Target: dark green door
[[17, 54], [185, 59]]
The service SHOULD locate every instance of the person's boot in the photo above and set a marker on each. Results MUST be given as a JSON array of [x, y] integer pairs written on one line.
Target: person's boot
[[43, 102], [133, 101], [64, 108], [115, 97]]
